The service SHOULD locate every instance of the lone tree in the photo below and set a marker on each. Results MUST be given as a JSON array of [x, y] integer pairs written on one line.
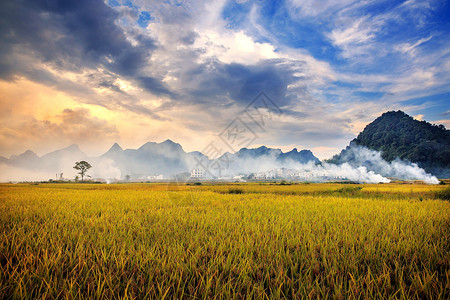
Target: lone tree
[[83, 167]]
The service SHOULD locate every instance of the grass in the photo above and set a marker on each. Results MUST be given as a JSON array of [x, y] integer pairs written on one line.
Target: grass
[[443, 194], [235, 191], [264, 241]]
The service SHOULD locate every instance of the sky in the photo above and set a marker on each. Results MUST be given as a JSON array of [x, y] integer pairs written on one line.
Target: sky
[[95, 72]]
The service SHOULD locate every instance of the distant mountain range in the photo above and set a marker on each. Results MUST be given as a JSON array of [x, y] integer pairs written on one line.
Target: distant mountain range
[[50, 161], [399, 136], [152, 159]]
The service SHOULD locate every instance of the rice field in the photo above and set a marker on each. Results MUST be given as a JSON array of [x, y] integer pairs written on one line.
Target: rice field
[[253, 240]]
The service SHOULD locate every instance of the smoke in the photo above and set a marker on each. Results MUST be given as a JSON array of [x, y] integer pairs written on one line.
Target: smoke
[[234, 165], [361, 156], [105, 168], [356, 163], [15, 174], [102, 169], [268, 167]]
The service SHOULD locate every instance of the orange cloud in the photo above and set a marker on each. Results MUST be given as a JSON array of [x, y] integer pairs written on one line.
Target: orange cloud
[[37, 117]]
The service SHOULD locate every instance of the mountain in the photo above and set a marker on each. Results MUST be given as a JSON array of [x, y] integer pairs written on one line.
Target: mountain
[[114, 150], [399, 136], [61, 159], [152, 159], [196, 159], [56, 161], [115, 153], [293, 156], [25, 160], [302, 156], [258, 152], [246, 161], [166, 158]]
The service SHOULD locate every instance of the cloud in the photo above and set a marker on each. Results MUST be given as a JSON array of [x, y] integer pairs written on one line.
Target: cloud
[[419, 117], [312, 8], [155, 86], [68, 126], [237, 82], [411, 49], [70, 35], [154, 68], [363, 33], [355, 39], [445, 122], [82, 37], [234, 47]]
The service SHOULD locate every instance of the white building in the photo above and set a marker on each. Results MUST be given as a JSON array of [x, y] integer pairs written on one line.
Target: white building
[[155, 177], [197, 173]]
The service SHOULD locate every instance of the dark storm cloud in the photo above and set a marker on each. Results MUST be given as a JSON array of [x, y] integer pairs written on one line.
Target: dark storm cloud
[[67, 34], [241, 83], [85, 35], [155, 86]]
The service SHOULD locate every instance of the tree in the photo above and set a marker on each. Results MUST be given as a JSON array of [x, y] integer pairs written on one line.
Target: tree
[[83, 167]]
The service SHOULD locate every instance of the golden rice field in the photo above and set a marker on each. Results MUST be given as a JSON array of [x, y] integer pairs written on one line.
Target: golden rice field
[[262, 241]]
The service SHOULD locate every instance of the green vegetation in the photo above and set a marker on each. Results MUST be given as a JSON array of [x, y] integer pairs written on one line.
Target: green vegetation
[[83, 167], [443, 194], [235, 191], [179, 241], [398, 135]]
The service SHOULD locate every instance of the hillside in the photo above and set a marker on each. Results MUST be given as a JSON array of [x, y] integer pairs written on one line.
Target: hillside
[[398, 135], [153, 159]]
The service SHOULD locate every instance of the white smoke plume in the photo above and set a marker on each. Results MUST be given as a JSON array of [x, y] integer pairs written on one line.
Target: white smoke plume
[[372, 160], [105, 168], [357, 164]]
